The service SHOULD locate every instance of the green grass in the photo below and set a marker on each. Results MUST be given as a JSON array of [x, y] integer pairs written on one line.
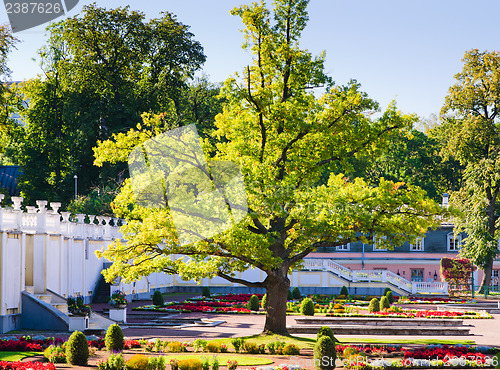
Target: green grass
[[264, 339], [302, 342], [404, 341], [243, 360], [16, 356]]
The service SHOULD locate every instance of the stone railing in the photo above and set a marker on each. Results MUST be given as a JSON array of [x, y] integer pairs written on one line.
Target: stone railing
[[39, 219]]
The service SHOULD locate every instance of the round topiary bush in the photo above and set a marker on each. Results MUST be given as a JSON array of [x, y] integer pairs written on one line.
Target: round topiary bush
[[344, 291], [374, 305], [384, 303], [387, 290], [263, 303], [77, 349], [296, 293], [205, 292], [157, 298], [253, 303], [324, 353], [307, 307], [390, 296], [290, 296], [114, 338], [326, 331]]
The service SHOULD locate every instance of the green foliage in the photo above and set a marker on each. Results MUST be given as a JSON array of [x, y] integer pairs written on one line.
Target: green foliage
[[470, 130], [324, 353], [326, 330], [97, 202], [157, 363], [344, 291], [390, 296], [206, 292], [386, 290], [307, 307], [55, 354], [296, 293], [114, 338], [290, 295], [374, 305], [137, 362], [158, 298], [263, 303], [213, 346], [291, 350], [237, 344], [251, 347], [190, 364], [200, 345], [114, 362], [215, 364], [175, 347], [77, 349], [384, 303], [253, 303]]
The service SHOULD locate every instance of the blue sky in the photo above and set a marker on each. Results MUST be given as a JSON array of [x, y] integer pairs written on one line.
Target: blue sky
[[406, 51]]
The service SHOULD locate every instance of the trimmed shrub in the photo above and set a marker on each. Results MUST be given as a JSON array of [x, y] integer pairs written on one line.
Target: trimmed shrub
[[205, 292], [296, 293], [77, 349], [213, 347], [175, 347], [374, 305], [263, 303], [344, 291], [291, 350], [238, 344], [137, 362], [190, 364], [114, 362], [251, 347], [200, 345], [253, 303], [157, 363], [157, 298], [387, 290], [326, 331], [271, 347], [55, 354], [384, 302], [390, 296], [307, 307], [290, 296], [324, 353], [114, 338]]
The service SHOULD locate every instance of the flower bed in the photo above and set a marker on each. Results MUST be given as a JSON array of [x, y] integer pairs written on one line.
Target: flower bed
[[428, 314], [18, 365], [27, 343], [430, 300]]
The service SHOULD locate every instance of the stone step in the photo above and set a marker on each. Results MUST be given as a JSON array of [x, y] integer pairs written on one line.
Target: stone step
[[45, 297], [379, 321], [381, 330]]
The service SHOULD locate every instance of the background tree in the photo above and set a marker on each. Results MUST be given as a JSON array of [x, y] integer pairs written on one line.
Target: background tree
[[472, 135], [283, 137], [414, 157], [102, 69]]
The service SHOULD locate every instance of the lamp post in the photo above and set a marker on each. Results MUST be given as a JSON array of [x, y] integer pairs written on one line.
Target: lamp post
[[76, 186]]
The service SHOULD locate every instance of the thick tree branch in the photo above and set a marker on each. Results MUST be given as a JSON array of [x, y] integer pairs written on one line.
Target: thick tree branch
[[250, 284]]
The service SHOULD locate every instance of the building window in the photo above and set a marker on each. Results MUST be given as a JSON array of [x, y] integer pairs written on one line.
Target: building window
[[454, 242], [344, 247], [417, 274], [377, 243], [417, 245], [495, 280]]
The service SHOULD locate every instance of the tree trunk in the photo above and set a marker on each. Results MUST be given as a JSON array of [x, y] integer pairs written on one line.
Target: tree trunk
[[486, 282], [278, 285]]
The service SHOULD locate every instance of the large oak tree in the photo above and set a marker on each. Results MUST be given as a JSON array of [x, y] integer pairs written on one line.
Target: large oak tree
[[284, 136]]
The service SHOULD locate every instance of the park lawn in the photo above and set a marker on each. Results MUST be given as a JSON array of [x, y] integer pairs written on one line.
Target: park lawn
[[243, 360], [300, 342], [16, 356]]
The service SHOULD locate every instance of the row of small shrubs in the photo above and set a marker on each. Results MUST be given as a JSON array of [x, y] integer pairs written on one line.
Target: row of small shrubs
[[385, 301]]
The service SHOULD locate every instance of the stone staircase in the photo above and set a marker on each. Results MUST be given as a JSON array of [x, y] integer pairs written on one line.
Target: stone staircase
[[98, 324]]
